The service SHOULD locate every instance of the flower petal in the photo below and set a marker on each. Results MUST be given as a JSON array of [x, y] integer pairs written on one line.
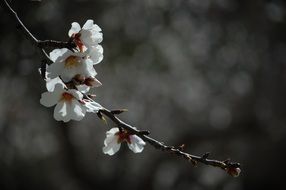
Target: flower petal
[[77, 111], [88, 25], [61, 112], [77, 94], [87, 68], [51, 83], [49, 99], [75, 28], [137, 144], [112, 131], [96, 37], [54, 70], [57, 53], [91, 37], [111, 145], [96, 54]]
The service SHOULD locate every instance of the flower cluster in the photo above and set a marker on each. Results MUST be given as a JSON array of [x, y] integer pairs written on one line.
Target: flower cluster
[[70, 77], [72, 74]]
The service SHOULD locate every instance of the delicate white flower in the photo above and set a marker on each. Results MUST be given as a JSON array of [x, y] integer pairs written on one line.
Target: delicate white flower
[[87, 36], [68, 64], [67, 101], [114, 138]]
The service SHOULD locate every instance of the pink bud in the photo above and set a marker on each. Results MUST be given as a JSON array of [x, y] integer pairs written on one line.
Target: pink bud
[[234, 172], [79, 78], [92, 82]]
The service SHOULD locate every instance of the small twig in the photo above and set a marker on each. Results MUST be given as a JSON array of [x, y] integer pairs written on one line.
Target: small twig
[[170, 149], [20, 24], [39, 43]]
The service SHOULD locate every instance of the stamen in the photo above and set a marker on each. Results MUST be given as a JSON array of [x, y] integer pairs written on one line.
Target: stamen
[[123, 136], [72, 61], [67, 97]]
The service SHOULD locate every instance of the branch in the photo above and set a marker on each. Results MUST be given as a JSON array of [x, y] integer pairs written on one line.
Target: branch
[[56, 44], [232, 168]]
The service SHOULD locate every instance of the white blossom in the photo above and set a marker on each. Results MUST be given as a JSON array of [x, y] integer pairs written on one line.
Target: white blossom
[[74, 70], [68, 103], [114, 138], [68, 64], [87, 36]]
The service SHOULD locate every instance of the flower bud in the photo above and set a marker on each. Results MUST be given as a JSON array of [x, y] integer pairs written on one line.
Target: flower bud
[[92, 82], [234, 172], [79, 78]]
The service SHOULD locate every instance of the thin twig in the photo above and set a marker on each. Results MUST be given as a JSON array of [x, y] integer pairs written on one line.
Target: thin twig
[[39, 43], [225, 165], [20, 24]]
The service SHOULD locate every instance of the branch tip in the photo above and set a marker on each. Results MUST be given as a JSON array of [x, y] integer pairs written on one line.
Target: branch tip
[[118, 111]]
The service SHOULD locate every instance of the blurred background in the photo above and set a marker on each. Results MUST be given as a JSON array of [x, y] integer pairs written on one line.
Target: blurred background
[[210, 74]]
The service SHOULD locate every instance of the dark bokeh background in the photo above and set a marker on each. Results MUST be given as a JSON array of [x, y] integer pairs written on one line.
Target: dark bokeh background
[[207, 73]]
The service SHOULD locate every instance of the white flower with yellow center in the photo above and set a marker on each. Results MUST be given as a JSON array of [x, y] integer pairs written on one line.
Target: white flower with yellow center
[[114, 138], [68, 64], [86, 37], [68, 103]]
